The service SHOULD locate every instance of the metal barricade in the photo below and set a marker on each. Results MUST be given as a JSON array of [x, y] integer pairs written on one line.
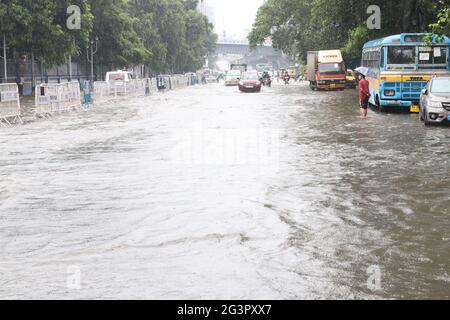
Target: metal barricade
[[54, 98], [105, 91], [9, 103], [179, 81]]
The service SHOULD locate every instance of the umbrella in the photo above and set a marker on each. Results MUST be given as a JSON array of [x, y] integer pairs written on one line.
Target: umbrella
[[363, 70]]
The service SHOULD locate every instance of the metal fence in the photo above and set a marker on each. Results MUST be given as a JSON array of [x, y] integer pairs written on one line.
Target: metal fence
[[53, 98], [9, 103]]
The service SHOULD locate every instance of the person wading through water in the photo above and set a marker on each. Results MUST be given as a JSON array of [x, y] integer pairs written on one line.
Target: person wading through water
[[364, 95]]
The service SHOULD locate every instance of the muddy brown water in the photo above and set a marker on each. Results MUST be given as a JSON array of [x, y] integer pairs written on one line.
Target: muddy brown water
[[207, 193]]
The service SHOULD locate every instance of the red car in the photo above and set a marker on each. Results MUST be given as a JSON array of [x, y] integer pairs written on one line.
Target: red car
[[250, 82]]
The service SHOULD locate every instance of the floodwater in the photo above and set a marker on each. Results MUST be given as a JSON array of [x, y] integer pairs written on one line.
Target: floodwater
[[207, 193]]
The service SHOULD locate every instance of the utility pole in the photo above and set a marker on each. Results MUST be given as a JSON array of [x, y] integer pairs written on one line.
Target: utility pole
[[70, 67], [4, 58], [93, 52]]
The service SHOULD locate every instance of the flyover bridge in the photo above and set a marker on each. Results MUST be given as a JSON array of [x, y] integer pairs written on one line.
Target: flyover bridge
[[241, 47]]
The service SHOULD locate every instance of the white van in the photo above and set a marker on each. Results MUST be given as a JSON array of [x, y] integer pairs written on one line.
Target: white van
[[118, 75]]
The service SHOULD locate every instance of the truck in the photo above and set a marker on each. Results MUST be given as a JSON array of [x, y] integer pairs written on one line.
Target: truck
[[326, 70]]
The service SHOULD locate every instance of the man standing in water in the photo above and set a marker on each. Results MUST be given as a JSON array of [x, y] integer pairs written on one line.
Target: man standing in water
[[364, 95]]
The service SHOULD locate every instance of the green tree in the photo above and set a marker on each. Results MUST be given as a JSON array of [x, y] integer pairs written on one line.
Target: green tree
[[297, 26], [119, 44], [39, 27]]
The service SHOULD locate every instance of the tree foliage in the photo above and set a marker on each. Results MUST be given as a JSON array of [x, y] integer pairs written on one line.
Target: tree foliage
[[297, 26], [165, 35]]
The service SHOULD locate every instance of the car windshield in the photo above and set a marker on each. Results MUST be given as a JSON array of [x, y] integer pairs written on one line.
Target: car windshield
[[250, 76], [331, 68], [441, 86]]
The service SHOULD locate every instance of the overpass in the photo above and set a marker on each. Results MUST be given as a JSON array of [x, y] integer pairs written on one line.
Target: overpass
[[233, 50], [241, 47]]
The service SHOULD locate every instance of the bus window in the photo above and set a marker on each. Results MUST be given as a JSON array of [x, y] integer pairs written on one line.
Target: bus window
[[432, 56], [401, 55]]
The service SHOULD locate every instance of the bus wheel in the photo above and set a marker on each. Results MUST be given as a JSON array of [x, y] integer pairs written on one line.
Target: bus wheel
[[378, 104]]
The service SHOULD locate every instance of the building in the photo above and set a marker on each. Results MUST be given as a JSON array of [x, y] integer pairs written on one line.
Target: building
[[208, 11]]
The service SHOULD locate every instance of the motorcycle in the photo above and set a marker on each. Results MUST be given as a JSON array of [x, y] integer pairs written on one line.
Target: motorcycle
[[286, 80], [267, 82]]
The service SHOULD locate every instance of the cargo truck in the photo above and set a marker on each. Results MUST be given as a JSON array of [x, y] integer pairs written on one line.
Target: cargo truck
[[326, 70]]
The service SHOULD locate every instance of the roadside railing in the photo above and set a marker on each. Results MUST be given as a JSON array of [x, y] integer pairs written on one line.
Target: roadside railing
[[53, 98], [9, 104]]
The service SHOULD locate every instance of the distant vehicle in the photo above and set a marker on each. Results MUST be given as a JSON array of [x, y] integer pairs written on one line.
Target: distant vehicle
[[292, 71], [261, 67], [265, 79], [118, 75], [326, 70], [232, 78], [400, 67], [211, 76], [435, 101], [351, 79], [286, 78], [241, 67], [250, 82]]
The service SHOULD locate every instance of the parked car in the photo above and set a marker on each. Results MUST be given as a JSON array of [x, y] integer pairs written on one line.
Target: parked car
[[435, 101], [232, 78], [250, 82], [350, 79]]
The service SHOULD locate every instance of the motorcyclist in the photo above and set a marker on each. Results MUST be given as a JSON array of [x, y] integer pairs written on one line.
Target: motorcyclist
[[286, 78], [266, 79]]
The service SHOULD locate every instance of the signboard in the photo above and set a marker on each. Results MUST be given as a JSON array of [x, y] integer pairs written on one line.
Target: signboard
[[437, 52], [43, 100], [424, 56], [6, 96]]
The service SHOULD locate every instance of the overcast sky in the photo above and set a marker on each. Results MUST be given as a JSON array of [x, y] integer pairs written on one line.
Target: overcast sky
[[236, 16]]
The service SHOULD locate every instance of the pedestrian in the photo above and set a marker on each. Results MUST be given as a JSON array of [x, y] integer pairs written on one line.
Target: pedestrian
[[20, 83], [364, 95]]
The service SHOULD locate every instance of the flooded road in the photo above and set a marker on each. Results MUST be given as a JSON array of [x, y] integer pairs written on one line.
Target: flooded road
[[206, 193]]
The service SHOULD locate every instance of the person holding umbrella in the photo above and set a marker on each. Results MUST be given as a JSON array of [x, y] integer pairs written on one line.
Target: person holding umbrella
[[364, 92]]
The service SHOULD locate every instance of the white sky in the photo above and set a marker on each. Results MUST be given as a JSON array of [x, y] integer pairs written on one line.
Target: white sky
[[236, 16]]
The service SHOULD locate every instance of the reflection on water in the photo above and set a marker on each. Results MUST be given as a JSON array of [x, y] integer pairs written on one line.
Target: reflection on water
[[293, 196]]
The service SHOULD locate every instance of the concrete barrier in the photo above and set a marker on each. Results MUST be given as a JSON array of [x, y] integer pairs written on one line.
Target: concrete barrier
[[53, 98], [9, 103]]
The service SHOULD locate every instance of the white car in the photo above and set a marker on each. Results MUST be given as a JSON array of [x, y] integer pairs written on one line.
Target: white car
[[232, 78], [435, 101]]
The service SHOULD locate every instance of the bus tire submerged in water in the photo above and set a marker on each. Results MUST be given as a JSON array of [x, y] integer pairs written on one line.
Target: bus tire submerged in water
[[378, 104]]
